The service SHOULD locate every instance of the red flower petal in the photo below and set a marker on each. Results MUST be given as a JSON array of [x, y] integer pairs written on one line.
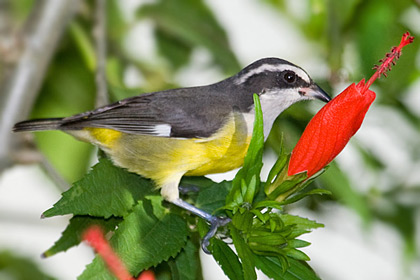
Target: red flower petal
[[330, 130]]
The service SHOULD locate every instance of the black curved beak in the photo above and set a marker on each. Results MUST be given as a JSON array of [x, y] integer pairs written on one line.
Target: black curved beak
[[315, 92]]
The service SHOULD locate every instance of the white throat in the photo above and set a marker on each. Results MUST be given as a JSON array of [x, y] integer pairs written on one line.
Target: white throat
[[272, 105]]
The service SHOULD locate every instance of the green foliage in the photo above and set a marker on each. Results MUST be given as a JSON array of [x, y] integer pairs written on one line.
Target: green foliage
[[274, 268], [105, 192], [19, 268], [186, 265], [227, 259], [185, 24]]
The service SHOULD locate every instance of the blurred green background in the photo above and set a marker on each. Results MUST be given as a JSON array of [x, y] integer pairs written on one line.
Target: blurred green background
[[161, 44]]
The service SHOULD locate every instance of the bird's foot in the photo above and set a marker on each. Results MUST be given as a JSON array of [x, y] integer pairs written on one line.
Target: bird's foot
[[215, 222]]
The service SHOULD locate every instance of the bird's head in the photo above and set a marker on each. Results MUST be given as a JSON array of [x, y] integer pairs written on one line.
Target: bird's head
[[279, 84], [277, 79]]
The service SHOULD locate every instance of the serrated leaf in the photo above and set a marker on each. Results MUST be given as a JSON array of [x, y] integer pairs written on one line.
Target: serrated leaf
[[186, 266], [227, 259], [244, 253], [71, 236], [149, 235], [105, 191], [275, 269]]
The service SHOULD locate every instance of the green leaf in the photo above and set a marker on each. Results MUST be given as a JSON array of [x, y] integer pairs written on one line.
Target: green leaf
[[299, 225], [287, 185], [250, 190], [276, 270], [253, 160], [15, 267], [106, 191], [243, 221], [193, 23], [277, 168], [186, 266], [244, 253], [71, 236], [175, 50], [297, 255], [299, 196], [267, 238], [149, 235], [117, 24], [213, 197], [84, 45], [297, 243], [269, 203], [227, 259]]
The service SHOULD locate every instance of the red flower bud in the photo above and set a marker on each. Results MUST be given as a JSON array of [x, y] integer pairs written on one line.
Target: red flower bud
[[96, 239], [331, 128]]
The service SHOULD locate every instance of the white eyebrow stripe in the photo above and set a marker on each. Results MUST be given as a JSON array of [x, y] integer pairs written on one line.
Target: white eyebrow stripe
[[273, 68]]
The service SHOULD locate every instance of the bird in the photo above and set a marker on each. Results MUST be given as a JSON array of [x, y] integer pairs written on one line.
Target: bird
[[192, 131]]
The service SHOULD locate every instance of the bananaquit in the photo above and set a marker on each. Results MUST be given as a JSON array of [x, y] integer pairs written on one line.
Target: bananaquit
[[191, 131]]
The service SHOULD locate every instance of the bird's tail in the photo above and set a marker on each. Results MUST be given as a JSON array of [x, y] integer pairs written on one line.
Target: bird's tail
[[38, 124]]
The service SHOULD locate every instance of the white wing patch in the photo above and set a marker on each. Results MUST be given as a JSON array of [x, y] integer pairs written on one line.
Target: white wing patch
[[163, 130], [273, 68]]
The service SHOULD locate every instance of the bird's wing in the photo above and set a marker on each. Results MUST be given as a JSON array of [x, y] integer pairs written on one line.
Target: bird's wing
[[173, 113]]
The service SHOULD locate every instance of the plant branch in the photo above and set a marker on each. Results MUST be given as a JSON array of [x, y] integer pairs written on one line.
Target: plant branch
[[19, 88], [99, 33]]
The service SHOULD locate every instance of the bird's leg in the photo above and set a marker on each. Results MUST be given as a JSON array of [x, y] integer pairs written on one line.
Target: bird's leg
[[188, 189], [214, 221]]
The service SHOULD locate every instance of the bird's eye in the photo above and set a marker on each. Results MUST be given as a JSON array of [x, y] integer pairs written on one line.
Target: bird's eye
[[289, 77]]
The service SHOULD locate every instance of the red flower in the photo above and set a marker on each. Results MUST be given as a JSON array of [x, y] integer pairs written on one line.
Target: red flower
[[331, 128]]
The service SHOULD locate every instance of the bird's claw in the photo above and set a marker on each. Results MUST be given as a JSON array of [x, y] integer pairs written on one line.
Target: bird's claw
[[215, 223]]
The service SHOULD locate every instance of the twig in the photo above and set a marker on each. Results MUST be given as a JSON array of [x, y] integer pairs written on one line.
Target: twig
[[20, 87], [60, 183], [99, 33]]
